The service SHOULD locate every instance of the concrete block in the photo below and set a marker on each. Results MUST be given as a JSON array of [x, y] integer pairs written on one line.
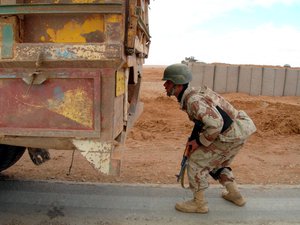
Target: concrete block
[[298, 85], [232, 79], [244, 79], [220, 81], [198, 74], [256, 81], [291, 81], [209, 74], [253, 80], [268, 81], [279, 82]]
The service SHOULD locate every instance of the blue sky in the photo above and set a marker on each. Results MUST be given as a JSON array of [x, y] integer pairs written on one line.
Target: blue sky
[[265, 32]]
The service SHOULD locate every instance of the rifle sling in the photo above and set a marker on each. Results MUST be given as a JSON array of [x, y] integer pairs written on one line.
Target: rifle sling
[[227, 120]]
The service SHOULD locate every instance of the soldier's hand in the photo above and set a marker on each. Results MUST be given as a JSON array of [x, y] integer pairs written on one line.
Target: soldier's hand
[[193, 145]]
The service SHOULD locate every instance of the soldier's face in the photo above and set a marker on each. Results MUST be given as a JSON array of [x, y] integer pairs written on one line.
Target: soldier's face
[[169, 87]]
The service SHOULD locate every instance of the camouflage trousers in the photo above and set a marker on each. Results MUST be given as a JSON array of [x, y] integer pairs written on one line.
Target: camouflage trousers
[[206, 159]]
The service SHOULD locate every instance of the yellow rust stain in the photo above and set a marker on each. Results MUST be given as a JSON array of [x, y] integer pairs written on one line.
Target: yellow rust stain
[[114, 19], [75, 105], [120, 83], [73, 32]]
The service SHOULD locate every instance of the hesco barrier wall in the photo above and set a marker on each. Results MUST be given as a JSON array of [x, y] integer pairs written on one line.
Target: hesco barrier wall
[[250, 79]]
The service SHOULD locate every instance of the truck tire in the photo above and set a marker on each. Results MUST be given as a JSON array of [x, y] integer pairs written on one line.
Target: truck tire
[[9, 155]]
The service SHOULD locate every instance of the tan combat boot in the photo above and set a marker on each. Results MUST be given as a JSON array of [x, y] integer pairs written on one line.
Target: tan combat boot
[[196, 205], [233, 195]]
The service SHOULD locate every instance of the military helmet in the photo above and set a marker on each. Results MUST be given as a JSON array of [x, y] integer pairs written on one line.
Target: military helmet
[[178, 73]]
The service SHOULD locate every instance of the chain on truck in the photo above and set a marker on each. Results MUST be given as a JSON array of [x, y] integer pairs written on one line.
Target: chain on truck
[[70, 77]]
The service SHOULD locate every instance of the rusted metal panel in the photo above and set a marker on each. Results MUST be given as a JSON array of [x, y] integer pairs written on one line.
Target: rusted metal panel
[[70, 1], [107, 103], [39, 142], [113, 27], [91, 28], [65, 104], [132, 27], [58, 85], [64, 29], [64, 55], [88, 52], [118, 116], [92, 40], [9, 34], [137, 34], [23, 9]]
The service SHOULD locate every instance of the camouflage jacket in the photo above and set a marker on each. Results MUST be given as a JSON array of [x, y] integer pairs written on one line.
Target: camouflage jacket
[[200, 104]]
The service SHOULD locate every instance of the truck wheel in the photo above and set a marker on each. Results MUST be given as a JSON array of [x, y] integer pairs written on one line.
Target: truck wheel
[[9, 155]]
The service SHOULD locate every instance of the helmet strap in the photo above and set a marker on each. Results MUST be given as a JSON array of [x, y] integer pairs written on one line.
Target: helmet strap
[[185, 86], [172, 90]]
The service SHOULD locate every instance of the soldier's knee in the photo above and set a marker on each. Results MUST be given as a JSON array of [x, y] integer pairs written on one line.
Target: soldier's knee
[[223, 175], [224, 179], [226, 176]]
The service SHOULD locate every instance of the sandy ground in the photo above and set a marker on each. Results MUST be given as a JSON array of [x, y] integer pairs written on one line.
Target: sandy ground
[[155, 145]]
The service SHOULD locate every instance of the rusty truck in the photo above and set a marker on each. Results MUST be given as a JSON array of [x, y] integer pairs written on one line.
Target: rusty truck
[[70, 76]]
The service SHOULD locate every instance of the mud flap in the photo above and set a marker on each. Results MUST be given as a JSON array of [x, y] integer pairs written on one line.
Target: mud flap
[[103, 156], [132, 118]]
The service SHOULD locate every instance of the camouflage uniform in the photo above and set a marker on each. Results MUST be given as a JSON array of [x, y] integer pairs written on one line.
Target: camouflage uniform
[[217, 149]]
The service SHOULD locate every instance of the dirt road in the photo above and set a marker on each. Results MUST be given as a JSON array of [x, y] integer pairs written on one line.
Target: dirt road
[[38, 203]]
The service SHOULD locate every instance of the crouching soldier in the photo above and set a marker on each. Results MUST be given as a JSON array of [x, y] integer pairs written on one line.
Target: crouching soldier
[[224, 132]]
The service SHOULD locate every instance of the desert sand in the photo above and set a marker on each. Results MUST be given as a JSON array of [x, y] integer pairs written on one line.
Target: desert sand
[[154, 147]]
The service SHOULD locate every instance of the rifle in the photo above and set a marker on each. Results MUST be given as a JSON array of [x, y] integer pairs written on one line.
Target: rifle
[[194, 135]]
